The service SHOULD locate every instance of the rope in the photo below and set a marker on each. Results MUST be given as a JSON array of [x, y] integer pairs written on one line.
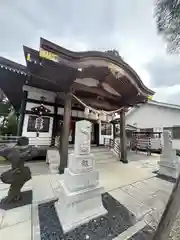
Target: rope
[[95, 110]]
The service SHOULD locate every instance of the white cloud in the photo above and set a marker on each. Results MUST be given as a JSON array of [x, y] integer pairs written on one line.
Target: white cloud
[[128, 26]]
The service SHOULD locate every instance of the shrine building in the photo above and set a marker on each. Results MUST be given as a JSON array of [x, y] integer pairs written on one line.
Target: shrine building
[[71, 86]]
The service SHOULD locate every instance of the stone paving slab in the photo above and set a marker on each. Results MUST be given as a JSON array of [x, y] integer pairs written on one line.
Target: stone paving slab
[[134, 185], [42, 189], [16, 215], [21, 231], [144, 187], [136, 193], [2, 213], [157, 183], [136, 207], [153, 218], [3, 186], [3, 193]]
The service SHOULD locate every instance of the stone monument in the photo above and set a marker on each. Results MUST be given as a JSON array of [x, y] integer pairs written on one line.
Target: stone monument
[[169, 164], [79, 192]]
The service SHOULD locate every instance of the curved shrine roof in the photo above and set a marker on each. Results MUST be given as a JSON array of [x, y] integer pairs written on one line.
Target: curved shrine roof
[[99, 79]]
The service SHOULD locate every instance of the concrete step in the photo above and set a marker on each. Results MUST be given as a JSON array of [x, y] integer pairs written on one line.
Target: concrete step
[[94, 151], [97, 162], [103, 157], [101, 154]]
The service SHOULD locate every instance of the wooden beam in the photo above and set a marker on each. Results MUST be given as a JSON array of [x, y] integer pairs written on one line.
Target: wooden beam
[[100, 104], [169, 215], [98, 91]]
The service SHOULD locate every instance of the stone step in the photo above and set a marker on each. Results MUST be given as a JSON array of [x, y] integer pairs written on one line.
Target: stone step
[[98, 153], [103, 152], [93, 150], [106, 157], [105, 161]]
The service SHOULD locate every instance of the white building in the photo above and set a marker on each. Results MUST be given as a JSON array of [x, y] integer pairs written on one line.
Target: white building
[[156, 116]]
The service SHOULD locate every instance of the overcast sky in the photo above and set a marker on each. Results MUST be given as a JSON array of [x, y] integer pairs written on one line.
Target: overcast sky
[[126, 25]]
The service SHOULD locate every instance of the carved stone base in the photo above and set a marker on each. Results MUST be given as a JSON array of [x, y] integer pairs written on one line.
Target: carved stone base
[[81, 163], [76, 208], [53, 158], [75, 182]]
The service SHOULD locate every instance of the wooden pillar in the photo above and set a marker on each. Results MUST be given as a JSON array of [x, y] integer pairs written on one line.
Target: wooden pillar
[[55, 124], [65, 133], [114, 131], [123, 137], [21, 114]]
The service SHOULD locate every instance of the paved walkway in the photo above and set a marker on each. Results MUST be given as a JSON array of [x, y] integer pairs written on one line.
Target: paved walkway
[[134, 185]]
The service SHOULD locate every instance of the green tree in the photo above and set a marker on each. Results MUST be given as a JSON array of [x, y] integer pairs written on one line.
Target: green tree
[[10, 126], [8, 118], [167, 13]]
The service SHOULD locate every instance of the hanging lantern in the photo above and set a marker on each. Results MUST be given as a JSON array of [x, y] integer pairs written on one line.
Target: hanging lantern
[[86, 112], [98, 121], [93, 115], [96, 116], [102, 116], [109, 118]]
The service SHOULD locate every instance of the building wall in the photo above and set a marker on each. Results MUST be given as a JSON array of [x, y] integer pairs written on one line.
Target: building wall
[[36, 94], [156, 117], [45, 137]]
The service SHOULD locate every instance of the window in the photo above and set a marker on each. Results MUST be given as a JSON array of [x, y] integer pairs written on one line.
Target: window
[[176, 132], [106, 129]]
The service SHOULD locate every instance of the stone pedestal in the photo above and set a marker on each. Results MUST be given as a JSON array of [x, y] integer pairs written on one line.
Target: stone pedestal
[[169, 164], [79, 193], [53, 159]]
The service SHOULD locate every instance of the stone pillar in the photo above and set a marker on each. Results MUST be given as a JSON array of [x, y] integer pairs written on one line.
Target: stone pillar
[[79, 192], [21, 114], [169, 164], [65, 133], [123, 141]]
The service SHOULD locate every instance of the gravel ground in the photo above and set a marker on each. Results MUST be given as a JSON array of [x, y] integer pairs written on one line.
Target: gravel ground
[[175, 232]]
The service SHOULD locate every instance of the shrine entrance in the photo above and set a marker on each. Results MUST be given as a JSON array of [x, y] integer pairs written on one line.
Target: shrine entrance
[[94, 132], [91, 85]]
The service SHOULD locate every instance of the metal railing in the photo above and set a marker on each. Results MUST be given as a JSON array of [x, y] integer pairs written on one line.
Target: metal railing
[[146, 144], [34, 141], [112, 144]]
